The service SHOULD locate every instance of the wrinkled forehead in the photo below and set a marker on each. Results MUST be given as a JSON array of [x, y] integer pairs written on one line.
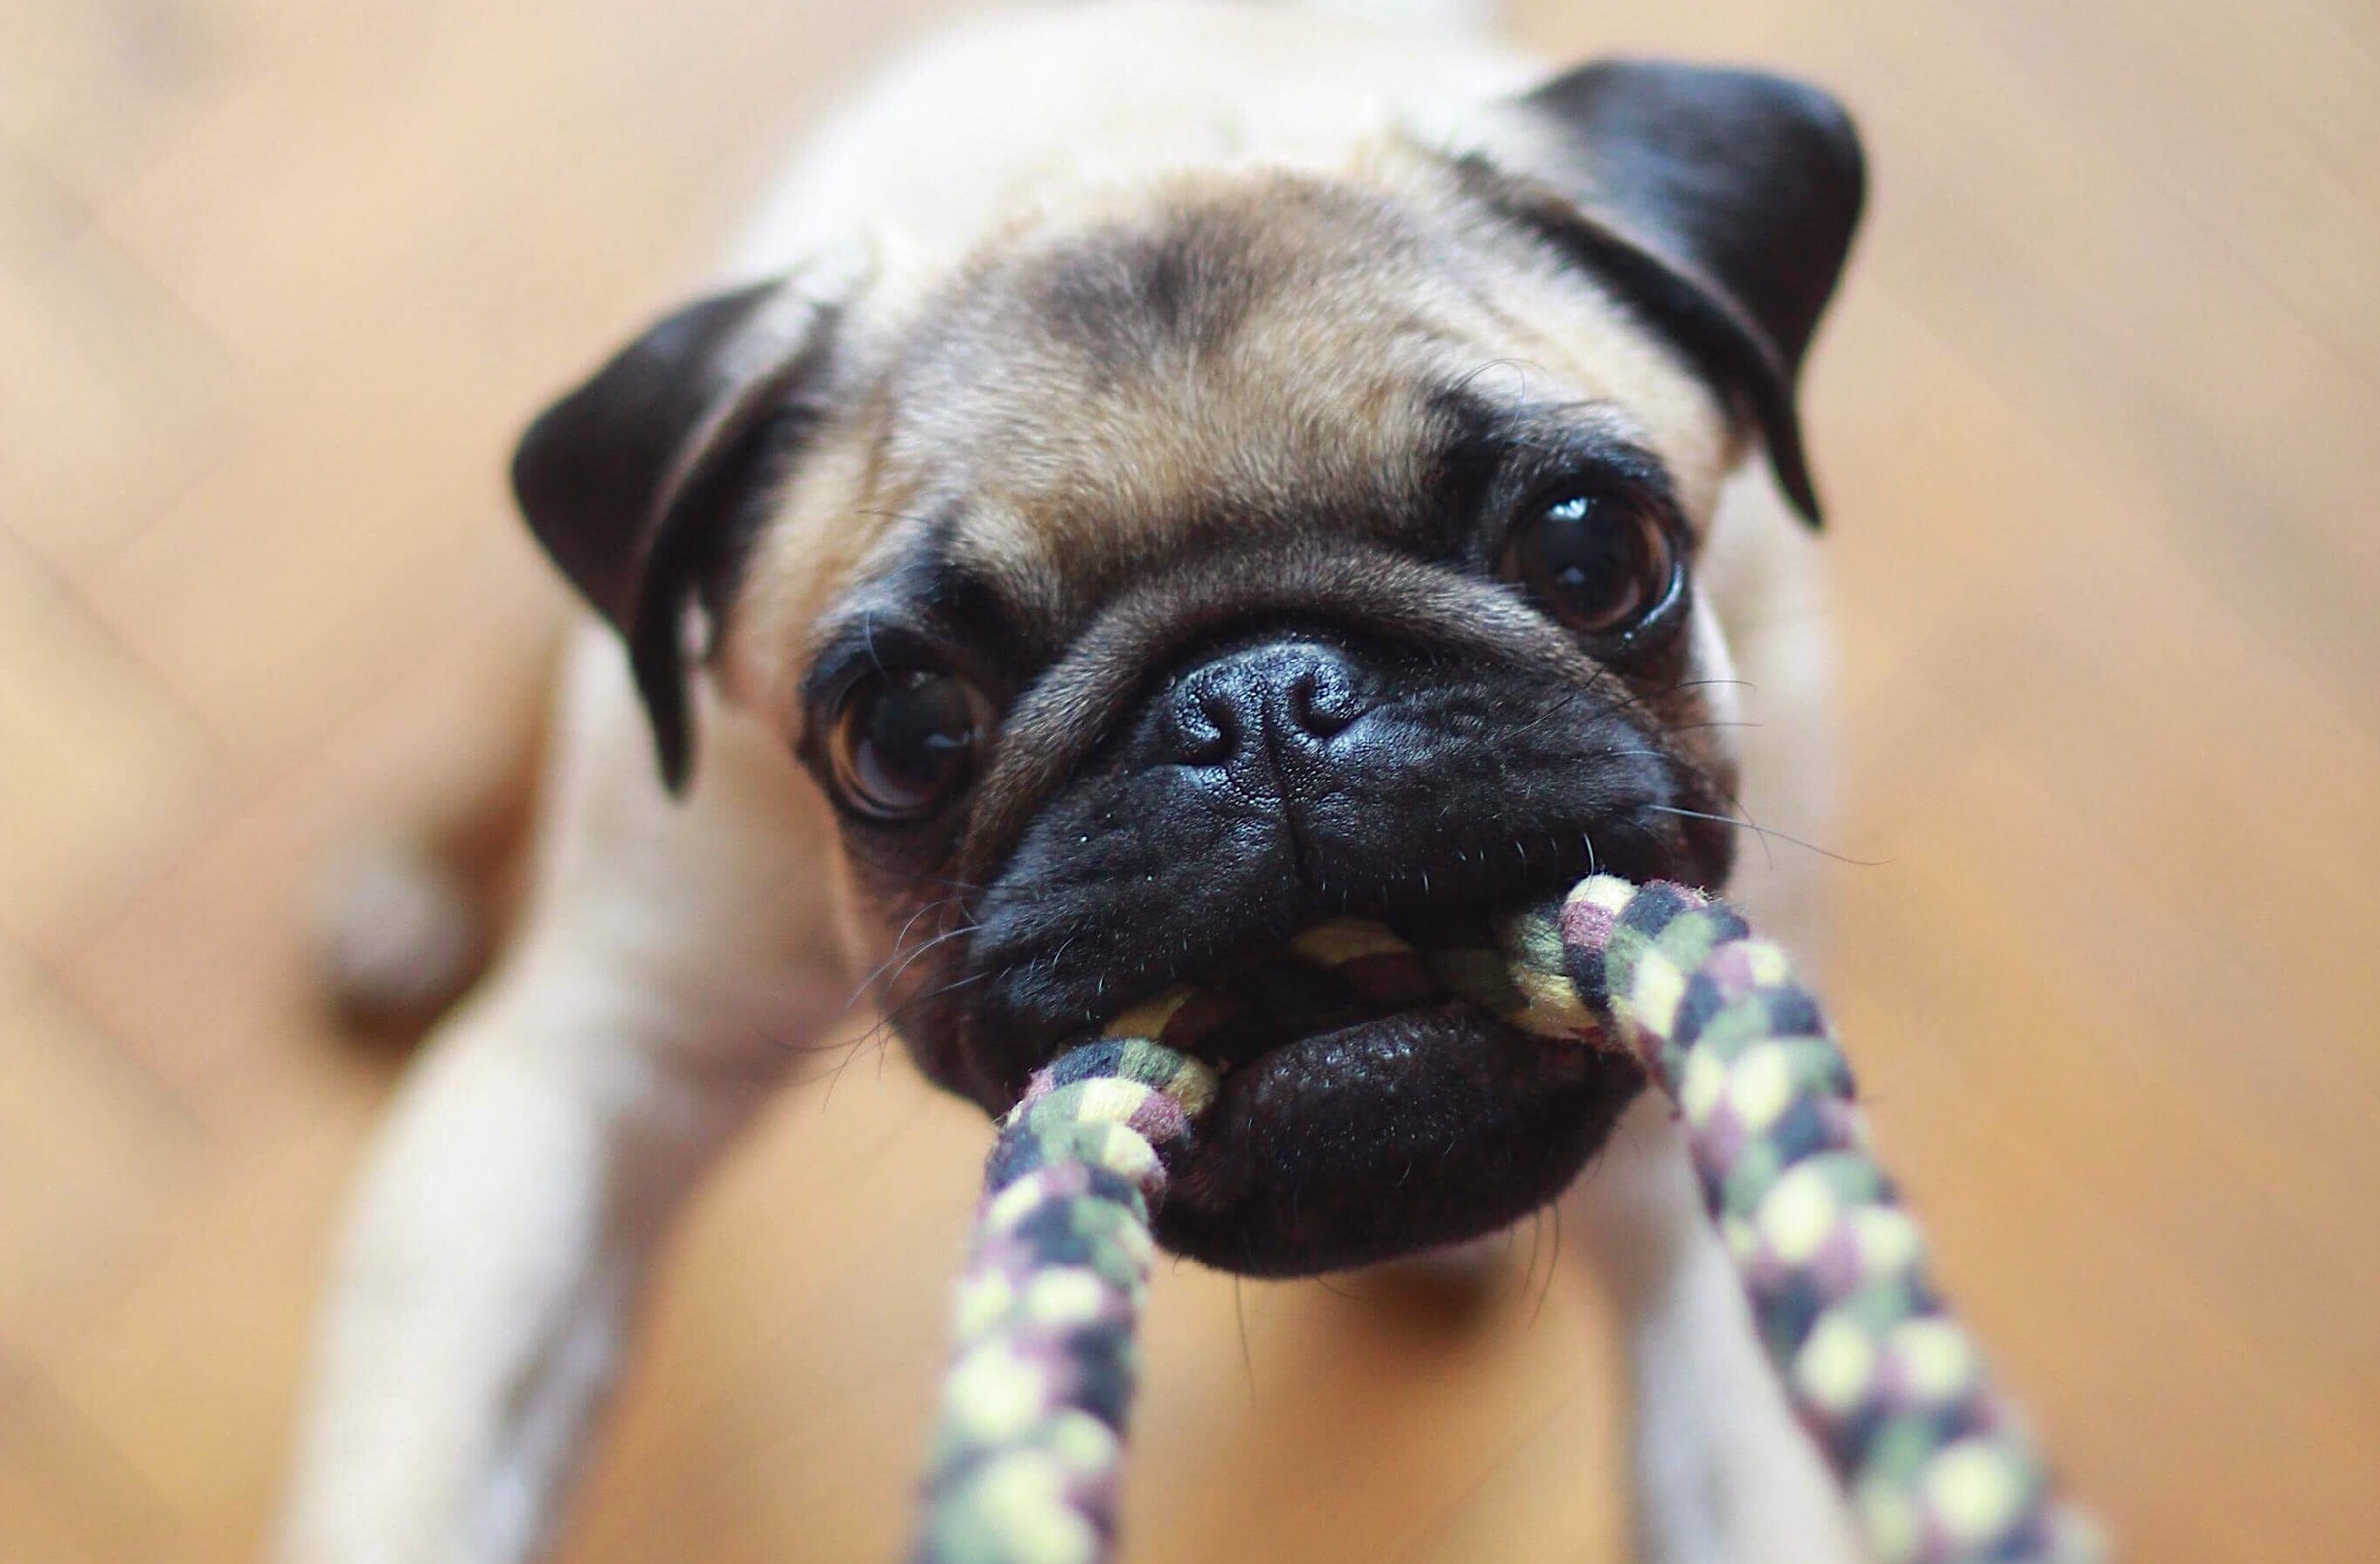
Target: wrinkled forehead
[[1099, 399], [1283, 356]]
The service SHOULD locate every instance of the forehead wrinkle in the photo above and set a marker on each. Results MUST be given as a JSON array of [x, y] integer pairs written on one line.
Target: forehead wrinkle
[[1321, 407], [1119, 296], [1186, 484], [1134, 295], [1022, 584]]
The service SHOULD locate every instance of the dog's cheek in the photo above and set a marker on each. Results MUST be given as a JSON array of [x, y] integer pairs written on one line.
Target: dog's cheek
[[894, 929], [1712, 711], [861, 932]]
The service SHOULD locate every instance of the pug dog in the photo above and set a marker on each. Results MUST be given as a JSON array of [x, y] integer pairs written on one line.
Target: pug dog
[[1160, 475]]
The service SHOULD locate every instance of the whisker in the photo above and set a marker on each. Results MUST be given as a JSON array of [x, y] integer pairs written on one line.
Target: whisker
[[901, 950], [1528, 1272], [940, 880], [887, 1023], [1736, 803], [1247, 1359], [1553, 1268], [1500, 363], [934, 906], [1766, 832], [917, 953]]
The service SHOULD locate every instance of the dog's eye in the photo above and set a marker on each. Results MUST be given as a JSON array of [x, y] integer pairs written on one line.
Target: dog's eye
[[904, 745], [1600, 564]]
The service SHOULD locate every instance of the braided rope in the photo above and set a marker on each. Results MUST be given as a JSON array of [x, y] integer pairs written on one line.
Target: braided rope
[[1939, 1468], [1047, 1357]]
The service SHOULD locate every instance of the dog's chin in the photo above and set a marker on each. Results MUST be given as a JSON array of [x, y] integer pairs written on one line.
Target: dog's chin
[[1395, 1134]]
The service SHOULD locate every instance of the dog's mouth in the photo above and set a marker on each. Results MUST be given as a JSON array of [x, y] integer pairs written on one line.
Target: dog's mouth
[[1363, 1111], [1361, 1115]]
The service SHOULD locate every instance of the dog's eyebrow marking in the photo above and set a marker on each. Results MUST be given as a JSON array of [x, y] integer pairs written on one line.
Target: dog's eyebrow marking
[[858, 642], [1494, 453], [942, 586], [932, 605]]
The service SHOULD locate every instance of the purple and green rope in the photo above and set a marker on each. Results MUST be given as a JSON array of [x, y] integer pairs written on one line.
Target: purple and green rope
[[1938, 1467], [1047, 1357]]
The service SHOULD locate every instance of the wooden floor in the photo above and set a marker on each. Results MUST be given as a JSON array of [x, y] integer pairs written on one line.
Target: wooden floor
[[2101, 422]]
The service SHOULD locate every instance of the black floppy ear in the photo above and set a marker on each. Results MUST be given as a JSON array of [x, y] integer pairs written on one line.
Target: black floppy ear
[[1720, 205], [645, 483]]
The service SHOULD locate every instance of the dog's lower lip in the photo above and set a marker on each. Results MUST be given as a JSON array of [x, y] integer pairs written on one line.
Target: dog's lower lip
[[1402, 1119], [1403, 1131]]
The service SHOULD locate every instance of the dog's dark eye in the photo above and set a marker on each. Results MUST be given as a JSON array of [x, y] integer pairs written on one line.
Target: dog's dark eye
[[904, 745], [1600, 564]]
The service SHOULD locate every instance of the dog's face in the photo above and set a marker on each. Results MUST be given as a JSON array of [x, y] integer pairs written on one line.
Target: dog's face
[[1237, 553]]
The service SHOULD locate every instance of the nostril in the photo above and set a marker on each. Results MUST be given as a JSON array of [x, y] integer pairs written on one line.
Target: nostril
[[1322, 702], [1202, 726]]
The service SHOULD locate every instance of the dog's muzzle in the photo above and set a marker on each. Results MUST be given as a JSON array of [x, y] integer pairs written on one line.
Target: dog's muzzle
[[1276, 783]]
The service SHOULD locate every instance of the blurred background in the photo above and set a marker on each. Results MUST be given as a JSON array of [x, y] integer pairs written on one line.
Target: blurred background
[[2100, 420]]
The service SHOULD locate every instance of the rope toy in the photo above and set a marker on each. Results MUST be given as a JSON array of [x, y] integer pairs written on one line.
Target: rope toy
[[1938, 1467]]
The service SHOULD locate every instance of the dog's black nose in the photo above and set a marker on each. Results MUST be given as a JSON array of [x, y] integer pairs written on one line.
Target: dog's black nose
[[1272, 704]]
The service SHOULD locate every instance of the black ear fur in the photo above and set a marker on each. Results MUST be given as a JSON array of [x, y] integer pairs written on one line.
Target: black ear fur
[[1738, 194], [642, 483]]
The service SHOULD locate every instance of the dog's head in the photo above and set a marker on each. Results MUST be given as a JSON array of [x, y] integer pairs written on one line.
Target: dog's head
[[1230, 552]]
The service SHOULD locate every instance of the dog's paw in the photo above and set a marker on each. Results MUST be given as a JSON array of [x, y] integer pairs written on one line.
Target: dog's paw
[[398, 933]]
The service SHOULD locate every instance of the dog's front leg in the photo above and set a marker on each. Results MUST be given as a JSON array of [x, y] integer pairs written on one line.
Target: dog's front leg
[[673, 964], [1723, 1474], [479, 1299]]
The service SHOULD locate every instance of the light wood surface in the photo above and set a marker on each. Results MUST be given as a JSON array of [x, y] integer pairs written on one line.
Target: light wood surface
[[2101, 423]]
